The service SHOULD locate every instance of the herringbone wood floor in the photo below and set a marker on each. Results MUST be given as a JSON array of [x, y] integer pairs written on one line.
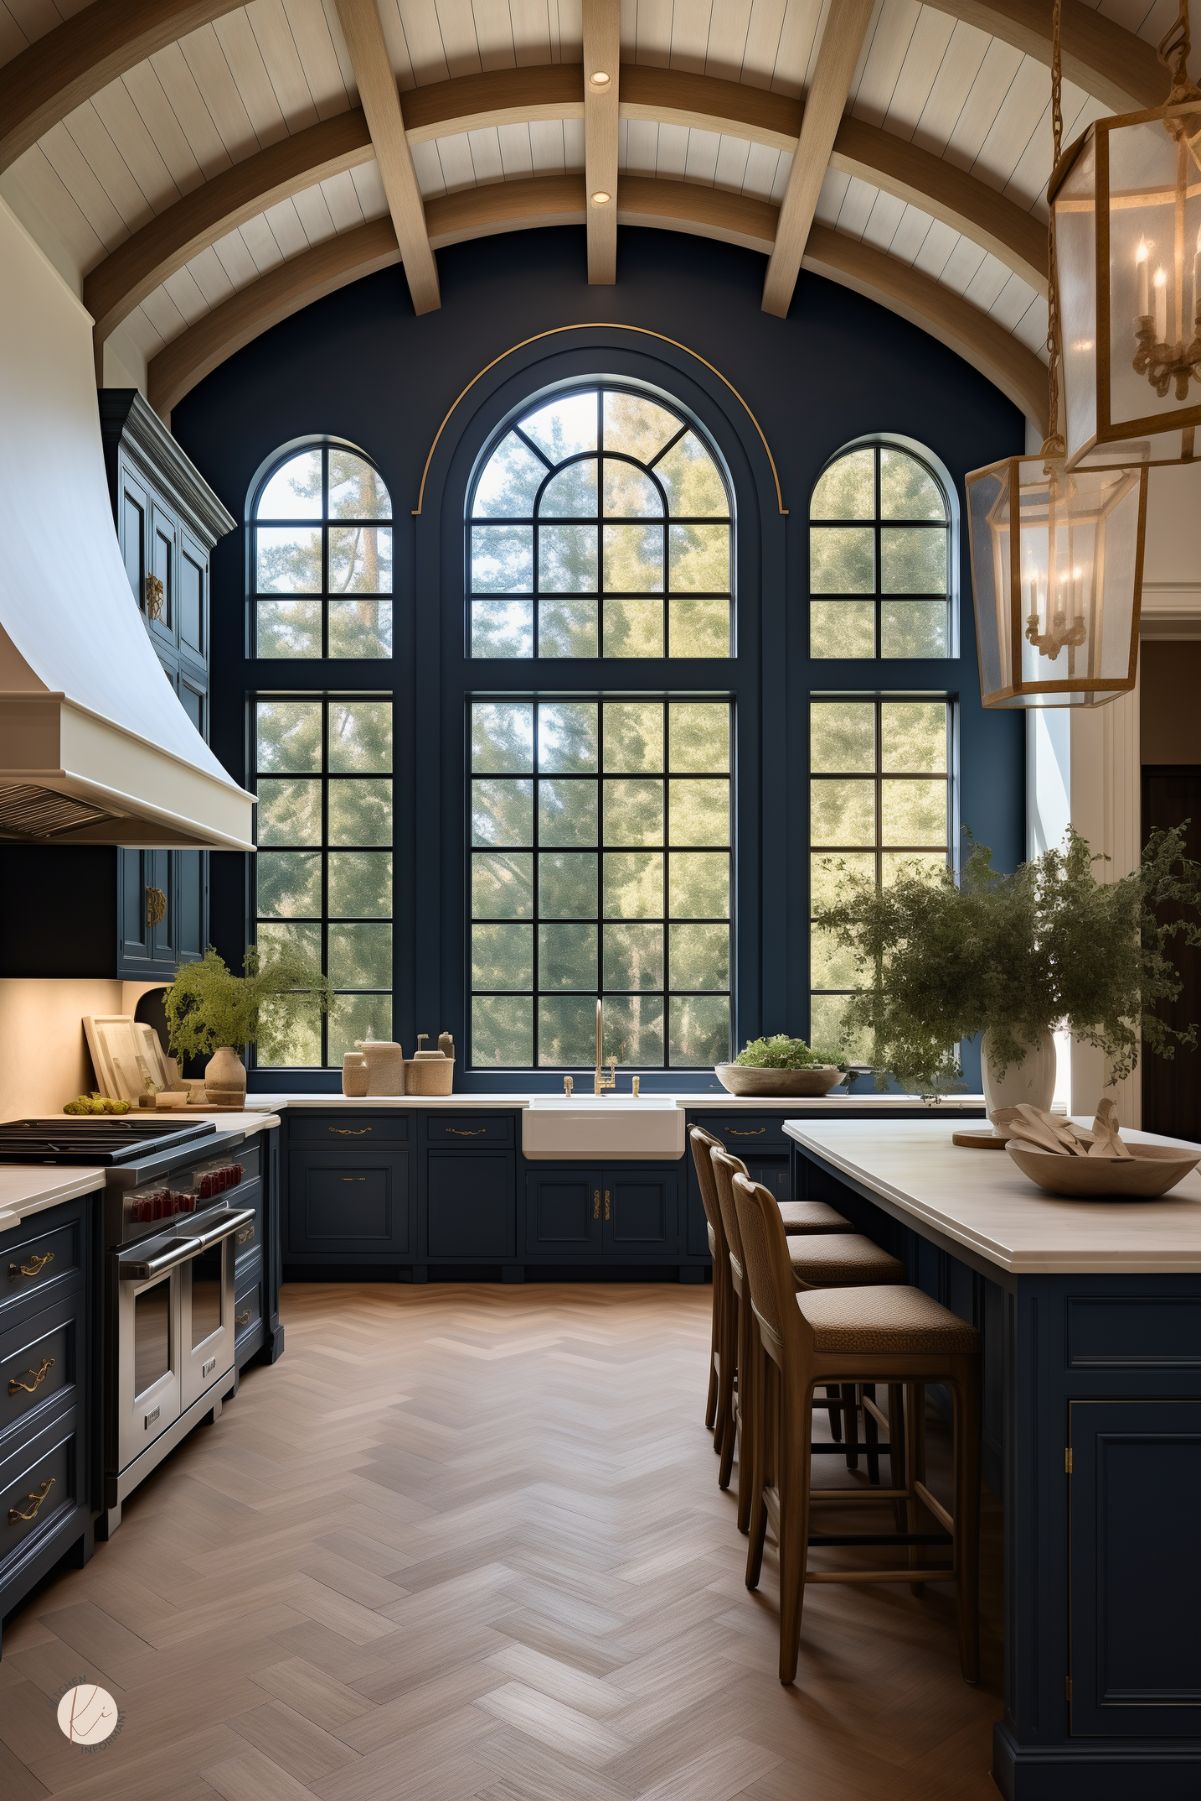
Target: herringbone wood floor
[[468, 1543]]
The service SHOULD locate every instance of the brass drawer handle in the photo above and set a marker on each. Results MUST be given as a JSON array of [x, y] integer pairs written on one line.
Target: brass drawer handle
[[608, 1205], [36, 1378], [466, 1131], [596, 1203], [746, 1132], [34, 1267], [244, 1237], [242, 1319], [36, 1501], [349, 1131], [352, 1178]]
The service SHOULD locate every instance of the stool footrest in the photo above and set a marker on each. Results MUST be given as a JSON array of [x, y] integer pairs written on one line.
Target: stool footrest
[[841, 1448], [879, 1538]]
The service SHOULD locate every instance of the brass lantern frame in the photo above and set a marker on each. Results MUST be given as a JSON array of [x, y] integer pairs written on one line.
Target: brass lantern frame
[[1110, 445], [1040, 473]]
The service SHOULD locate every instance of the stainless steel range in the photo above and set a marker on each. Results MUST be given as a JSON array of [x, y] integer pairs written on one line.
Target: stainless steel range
[[171, 1217]]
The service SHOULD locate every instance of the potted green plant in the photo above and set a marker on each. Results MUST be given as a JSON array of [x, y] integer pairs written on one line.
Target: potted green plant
[[1014, 956], [780, 1066], [212, 1012]]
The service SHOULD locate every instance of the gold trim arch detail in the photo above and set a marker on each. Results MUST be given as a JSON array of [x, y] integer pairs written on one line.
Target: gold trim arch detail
[[596, 325]]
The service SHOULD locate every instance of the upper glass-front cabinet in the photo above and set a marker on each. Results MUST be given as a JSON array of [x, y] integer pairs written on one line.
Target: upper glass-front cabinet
[[321, 557], [600, 526], [881, 556]]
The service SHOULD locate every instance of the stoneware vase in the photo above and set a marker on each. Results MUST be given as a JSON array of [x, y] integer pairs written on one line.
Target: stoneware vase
[[1031, 1081], [225, 1079]]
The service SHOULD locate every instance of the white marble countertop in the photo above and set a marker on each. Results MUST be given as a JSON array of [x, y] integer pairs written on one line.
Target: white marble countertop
[[27, 1189], [717, 1099], [981, 1200]]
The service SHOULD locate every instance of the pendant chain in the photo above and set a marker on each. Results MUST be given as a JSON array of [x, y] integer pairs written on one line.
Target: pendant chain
[[1053, 444]]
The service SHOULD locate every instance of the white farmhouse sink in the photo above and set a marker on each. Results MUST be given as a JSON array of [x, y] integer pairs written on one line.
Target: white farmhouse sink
[[560, 1128]]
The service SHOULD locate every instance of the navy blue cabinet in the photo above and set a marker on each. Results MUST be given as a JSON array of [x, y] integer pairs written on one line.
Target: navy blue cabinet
[[470, 1206], [1135, 1575], [621, 1213], [349, 1207], [563, 1212], [49, 1396]]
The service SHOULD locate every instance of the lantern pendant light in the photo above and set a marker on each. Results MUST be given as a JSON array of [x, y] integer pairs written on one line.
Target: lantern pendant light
[[1057, 553], [1126, 201]]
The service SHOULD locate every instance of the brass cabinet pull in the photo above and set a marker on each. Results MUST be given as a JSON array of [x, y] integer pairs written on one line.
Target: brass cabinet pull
[[242, 1319], [36, 1499], [36, 1378], [154, 591], [34, 1267], [608, 1205], [350, 1131], [466, 1131], [245, 1236], [156, 906], [596, 1203], [746, 1131], [352, 1178]]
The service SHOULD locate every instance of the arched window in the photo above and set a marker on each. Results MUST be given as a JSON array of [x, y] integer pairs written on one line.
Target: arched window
[[600, 526], [600, 841], [321, 556], [882, 555]]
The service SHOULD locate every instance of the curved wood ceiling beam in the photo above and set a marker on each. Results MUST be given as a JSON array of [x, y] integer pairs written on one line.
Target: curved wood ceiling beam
[[946, 315], [559, 200], [135, 268], [1104, 59], [938, 187], [68, 65], [552, 91]]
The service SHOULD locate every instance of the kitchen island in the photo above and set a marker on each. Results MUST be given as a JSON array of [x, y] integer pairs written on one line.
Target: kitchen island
[[1090, 1315]]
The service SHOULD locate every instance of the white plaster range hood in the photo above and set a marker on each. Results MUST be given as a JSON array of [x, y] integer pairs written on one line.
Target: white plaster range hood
[[95, 747]]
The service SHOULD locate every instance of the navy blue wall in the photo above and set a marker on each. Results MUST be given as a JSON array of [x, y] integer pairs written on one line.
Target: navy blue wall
[[360, 367]]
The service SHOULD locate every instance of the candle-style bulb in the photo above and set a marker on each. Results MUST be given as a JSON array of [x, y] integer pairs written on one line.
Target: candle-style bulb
[[1161, 305], [1142, 258]]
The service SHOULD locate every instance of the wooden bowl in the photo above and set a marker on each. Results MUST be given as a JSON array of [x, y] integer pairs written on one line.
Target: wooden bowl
[[1150, 1170], [738, 1078]]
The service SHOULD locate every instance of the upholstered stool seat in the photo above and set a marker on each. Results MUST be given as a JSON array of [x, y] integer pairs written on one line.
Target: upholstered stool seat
[[841, 1260], [811, 1216], [895, 1320]]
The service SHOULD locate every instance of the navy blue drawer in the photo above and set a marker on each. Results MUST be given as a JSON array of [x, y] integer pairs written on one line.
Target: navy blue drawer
[[248, 1309], [39, 1261], [41, 1363], [41, 1484], [353, 1131], [746, 1132], [466, 1129]]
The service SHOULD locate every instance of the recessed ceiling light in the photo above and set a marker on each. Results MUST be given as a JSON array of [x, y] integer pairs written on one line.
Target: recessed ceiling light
[[601, 198], [599, 78]]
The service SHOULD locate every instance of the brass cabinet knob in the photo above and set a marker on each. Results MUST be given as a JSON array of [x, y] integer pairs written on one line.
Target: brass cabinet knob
[[156, 906], [242, 1319], [245, 1236]]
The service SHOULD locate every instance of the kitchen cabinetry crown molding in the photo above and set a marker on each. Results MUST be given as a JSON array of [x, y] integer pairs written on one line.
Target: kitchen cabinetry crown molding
[[160, 458]]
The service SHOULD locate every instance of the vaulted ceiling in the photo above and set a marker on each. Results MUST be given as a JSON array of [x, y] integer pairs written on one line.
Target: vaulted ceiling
[[209, 167]]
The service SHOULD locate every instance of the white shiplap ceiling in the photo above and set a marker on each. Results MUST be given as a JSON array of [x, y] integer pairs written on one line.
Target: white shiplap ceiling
[[274, 67]]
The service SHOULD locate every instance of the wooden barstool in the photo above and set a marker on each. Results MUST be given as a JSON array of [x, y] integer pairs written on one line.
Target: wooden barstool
[[719, 1402], [801, 1219], [886, 1333], [817, 1259]]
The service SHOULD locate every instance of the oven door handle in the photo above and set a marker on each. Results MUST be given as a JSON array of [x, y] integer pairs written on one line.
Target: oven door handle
[[150, 1267], [225, 1228]]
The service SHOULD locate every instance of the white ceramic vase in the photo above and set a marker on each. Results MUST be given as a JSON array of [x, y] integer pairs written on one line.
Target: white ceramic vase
[[225, 1079], [1031, 1082]]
